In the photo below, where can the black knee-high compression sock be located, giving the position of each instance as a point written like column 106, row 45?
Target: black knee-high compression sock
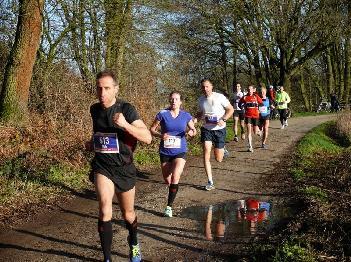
column 133, row 232
column 105, row 233
column 172, row 192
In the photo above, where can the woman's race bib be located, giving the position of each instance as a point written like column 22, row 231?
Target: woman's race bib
column 172, row 142
column 106, row 143
column 263, row 109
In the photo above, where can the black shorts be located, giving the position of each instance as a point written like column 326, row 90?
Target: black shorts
column 267, row 117
column 166, row 158
column 263, row 119
column 253, row 121
column 217, row 137
column 239, row 113
column 124, row 177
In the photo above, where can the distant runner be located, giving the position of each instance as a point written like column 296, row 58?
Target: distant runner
column 238, row 113
column 250, row 102
column 265, row 111
column 282, row 99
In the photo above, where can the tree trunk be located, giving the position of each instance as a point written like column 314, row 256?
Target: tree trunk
column 117, row 22
column 19, row 68
column 347, row 69
column 267, row 67
column 336, row 73
column 304, row 91
column 283, row 77
column 224, row 64
column 235, row 70
column 330, row 75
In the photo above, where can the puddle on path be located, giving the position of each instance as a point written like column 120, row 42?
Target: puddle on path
column 240, row 218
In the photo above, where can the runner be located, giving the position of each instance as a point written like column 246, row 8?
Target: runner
column 250, row 102
column 282, row 99
column 265, row 115
column 173, row 146
column 215, row 109
column 238, row 113
column 117, row 127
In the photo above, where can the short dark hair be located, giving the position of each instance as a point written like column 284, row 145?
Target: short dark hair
column 109, row 73
column 206, row 80
column 176, row 92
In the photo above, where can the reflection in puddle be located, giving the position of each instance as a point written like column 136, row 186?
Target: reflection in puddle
column 230, row 220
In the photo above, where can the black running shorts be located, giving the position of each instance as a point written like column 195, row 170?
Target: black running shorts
column 124, row 177
column 253, row 121
column 239, row 113
column 166, row 158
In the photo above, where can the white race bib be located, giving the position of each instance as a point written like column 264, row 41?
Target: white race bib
column 172, row 142
column 263, row 109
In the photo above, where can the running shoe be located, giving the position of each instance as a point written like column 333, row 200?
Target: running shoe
column 168, row 212
column 243, row 136
column 209, row 186
column 236, row 139
column 264, row 146
column 250, row 149
column 282, row 127
column 226, row 152
column 135, row 254
column 286, row 123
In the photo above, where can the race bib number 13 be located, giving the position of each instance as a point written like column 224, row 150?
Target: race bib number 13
column 106, row 143
column 172, row 142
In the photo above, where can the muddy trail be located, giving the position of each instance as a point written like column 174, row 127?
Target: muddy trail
column 69, row 232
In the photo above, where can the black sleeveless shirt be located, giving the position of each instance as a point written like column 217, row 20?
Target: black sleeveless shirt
column 103, row 122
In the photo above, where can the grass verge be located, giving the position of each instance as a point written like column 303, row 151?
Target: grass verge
column 320, row 192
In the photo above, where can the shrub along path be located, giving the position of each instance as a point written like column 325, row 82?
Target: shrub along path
column 69, row 232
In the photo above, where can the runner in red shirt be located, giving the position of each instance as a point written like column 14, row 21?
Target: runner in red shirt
column 251, row 101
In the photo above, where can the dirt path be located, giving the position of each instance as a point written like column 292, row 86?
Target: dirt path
column 69, row 233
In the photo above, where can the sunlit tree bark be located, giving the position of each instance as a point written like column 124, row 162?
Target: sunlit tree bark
column 19, row 68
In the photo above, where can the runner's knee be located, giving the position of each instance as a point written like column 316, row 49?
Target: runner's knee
column 128, row 215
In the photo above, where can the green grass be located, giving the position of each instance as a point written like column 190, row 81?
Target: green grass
column 66, row 176
column 315, row 192
column 18, row 179
column 146, row 157
column 317, row 141
column 230, row 131
column 293, row 252
column 297, row 173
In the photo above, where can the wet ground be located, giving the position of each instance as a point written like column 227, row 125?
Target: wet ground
column 207, row 225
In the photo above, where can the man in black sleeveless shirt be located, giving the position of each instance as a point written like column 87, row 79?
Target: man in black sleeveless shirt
column 117, row 128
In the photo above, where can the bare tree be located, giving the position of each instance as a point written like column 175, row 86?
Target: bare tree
column 118, row 19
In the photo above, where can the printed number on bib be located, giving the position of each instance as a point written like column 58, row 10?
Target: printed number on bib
column 263, row 109
column 106, row 143
column 211, row 119
column 172, row 142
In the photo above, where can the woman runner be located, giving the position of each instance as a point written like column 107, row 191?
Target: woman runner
column 173, row 146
